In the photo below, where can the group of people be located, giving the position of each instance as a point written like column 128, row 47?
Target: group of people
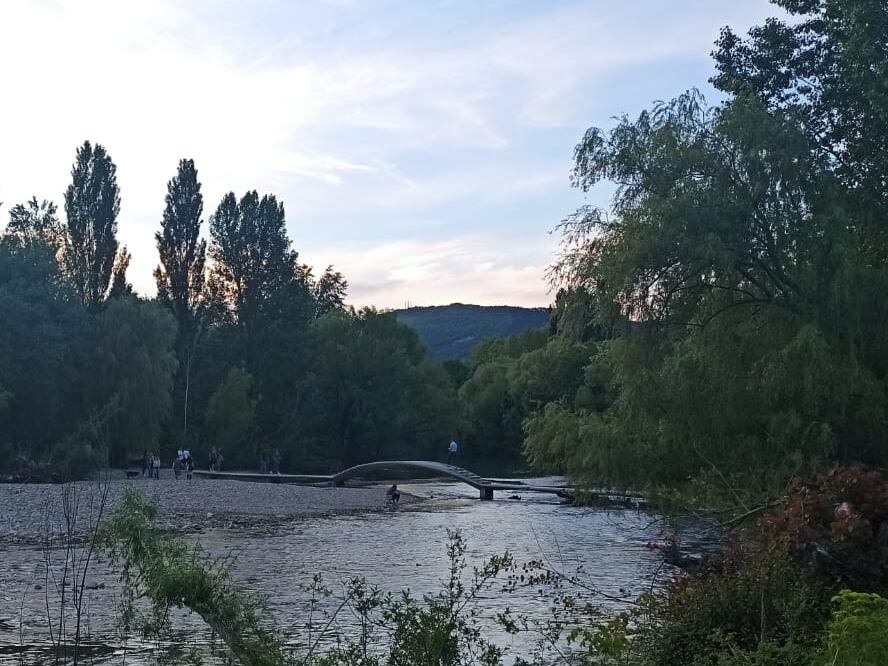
column 151, row 465
column 183, row 463
column 270, row 463
column 215, row 459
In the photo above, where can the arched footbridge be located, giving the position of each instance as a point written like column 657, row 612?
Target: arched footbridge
column 485, row 487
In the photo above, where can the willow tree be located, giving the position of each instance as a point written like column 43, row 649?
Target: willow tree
column 180, row 275
column 740, row 255
column 92, row 203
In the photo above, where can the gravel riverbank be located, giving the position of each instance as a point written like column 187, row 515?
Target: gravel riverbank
column 29, row 511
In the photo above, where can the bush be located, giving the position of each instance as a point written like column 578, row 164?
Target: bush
column 766, row 601
column 837, row 527
column 858, row 633
column 751, row 602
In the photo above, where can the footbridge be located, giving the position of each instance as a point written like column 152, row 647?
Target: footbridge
column 485, row 487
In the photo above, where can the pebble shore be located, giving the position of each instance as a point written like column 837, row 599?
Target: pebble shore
column 28, row 512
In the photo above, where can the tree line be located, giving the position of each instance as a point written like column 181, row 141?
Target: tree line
column 243, row 348
column 721, row 325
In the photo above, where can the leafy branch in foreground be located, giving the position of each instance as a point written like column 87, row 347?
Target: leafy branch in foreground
column 169, row 574
column 440, row 629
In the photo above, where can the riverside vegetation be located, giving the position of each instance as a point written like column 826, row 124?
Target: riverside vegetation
column 718, row 341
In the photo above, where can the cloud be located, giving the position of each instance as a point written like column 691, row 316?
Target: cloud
column 377, row 115
column 495, row 269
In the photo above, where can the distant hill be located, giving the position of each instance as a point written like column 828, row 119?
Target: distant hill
column 453, row 331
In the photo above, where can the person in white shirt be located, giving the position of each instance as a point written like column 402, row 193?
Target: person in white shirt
column 452, row 450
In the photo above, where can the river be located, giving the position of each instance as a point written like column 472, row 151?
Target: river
column 395, row 550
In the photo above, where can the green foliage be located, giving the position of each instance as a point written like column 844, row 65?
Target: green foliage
column 518, row 384
column 283, row 363
column 858, row 633
column 491, row 412
column 44, row 347
column 230, row 417
column 512, row 347
column 441, row 629
column 171, row 575
column 458, row 372
column 135, row 362
column 252, row 259
column 824, row 66
column 766, row 599
column 750, row 603
column 120, row 287
column 328, row 290
column 741, row 248
column 369, row 393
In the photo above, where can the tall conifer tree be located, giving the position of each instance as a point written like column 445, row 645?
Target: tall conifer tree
column 92, row 203
column 180, row 276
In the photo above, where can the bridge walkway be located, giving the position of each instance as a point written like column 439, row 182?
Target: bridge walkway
column 485, row 487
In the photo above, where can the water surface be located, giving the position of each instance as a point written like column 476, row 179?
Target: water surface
column 395, row 550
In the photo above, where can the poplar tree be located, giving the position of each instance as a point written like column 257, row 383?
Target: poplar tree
column 92, row 203
column 180, row 275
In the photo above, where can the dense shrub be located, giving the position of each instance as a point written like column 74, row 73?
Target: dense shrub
column 766, row 599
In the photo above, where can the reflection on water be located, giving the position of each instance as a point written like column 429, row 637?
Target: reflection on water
column 401, row 549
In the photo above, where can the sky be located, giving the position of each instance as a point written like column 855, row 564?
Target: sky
column 422, row 148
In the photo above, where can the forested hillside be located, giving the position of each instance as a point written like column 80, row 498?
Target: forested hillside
column 453, row 331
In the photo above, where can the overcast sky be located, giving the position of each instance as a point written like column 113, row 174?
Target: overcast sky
column 423, row 148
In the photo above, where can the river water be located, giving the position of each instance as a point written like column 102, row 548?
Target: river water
column 395, row 550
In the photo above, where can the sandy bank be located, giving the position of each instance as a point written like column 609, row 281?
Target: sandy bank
column 28, row 511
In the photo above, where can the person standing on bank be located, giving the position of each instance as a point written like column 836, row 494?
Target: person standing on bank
column 452, row 450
